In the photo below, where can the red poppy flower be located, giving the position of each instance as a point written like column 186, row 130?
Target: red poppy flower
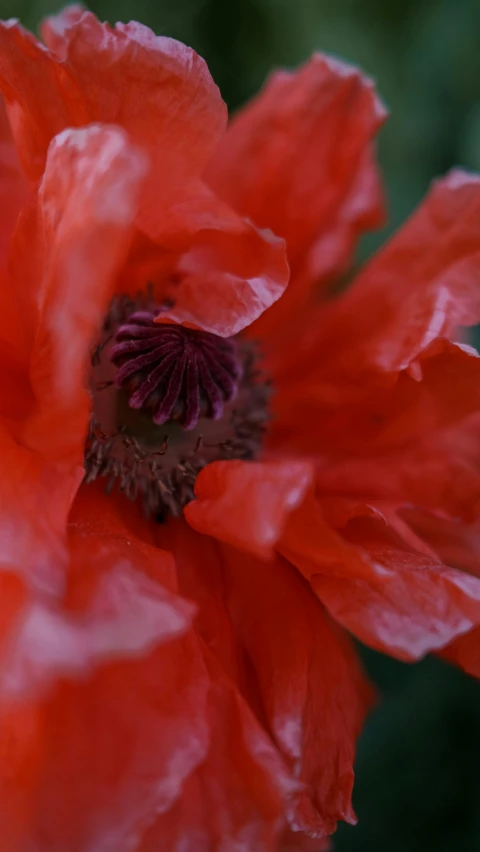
column 189, row 517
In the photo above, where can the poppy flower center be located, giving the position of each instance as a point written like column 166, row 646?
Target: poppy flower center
column 167, row 400
column 178, row 373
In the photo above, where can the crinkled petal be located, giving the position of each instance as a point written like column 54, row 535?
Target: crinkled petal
column 128, row 616
column 408, row 613
column 409, row 605
column 313, row 691
column 115, row 693
column 13, row 195
column 444, row 471
column 182, row 115
column 299, row 161
column 116, row 748
column 328, row 259
column 236, row 797
column 98, row 520
column 56, row 29
column 246, row 504
column 15, row 390
column 362, row 210
column 14, row 594
column 321, row 413
column 39, row 105
column 242, row 806
column 200, row 570
column 439, row 472
column 456, row 542
column 65, row 254
column 20, row 755
column 35, row 499
column 102, row 74
column 270, row 635
column 308, row 540
column 293, row 160
column 13, row 187
column 373, row 369
column 218, row 270
column 86, row 206
column 230, row 274
column 422, row 285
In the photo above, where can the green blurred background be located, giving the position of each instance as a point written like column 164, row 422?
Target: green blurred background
column 418, row 769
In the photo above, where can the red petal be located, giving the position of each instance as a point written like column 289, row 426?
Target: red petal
column 422, row 285
column 20, row 754
column 239, row 793
column 14, row 390
column 13, row 186
column 55, row 30
column 200, row 569
column 313, row 691
column 298, row 160
column 103, row 74
column 304, row 668
column 39, row 104
column 294, row 160
column 377, row 353
column 231, row 272
column 247, row 504
column 447, row 471
column 35, row 498
column 235, row 799
column 16, row 397
column 410, row 604
column 128, row 616
column 19, row 748
column 347, row 415
column 439, row 473
column 12, row 601
column 311, row 544
column 329, row 258
column 457, row 545
column 118, row 700
column 66, row 252
column 100, row 521
column 86, row 206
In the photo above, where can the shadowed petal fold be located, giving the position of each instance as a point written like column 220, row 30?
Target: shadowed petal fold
column 314, row 693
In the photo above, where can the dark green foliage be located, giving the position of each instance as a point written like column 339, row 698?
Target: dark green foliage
column 418, row 779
